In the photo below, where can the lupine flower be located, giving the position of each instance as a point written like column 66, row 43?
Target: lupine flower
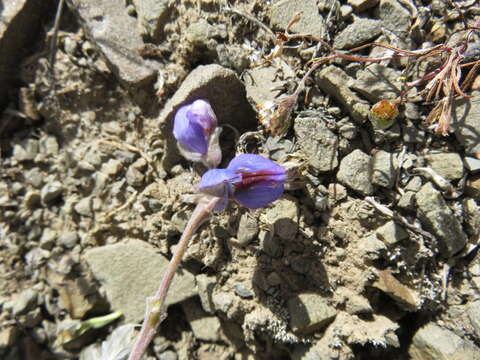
column 197, row 134
column 251, row 180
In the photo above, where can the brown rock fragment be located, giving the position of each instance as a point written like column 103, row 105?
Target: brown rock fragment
column 403, row 295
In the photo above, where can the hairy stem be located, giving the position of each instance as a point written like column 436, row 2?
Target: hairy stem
column 156, row 311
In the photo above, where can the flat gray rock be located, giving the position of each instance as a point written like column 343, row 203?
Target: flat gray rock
column 113, row 31
column 225, row 92
column 394, row 16
column 130, row 272
column 447, row 165
column 355, row 172
column 472, row 164
column 309, row 312
column 434, row 342
column 437, row 217
column 358, row 33
column 335, row 82
column 311, row 22
column 466, row 123
column 317, row 142
column 259, row 83
column 391, row 233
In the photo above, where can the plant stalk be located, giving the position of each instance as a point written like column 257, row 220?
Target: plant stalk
column 156, row 310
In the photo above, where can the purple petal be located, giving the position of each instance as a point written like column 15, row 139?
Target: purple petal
column 260, row 194
column 203, row 114
column 219, row 182
column 252, row 162
column 216, row 181
column 262, row 180
column 188, row 132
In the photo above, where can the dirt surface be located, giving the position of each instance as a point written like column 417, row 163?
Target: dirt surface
column 365, row 256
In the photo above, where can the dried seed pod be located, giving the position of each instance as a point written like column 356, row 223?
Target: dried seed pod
column 383, row 114
column 275, row 116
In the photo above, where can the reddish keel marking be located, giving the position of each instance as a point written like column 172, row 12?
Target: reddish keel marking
column 252, row 177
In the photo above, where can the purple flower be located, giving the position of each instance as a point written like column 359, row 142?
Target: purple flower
column 251, row 180
column 197, row 134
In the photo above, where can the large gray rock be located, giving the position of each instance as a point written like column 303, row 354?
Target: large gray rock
column 309, row 312
column 447, row 165
column 21, row 22
column 317, row 142
column 355, row 172
column 130, row 272
column 466, row 123
column 310, row 21
column 225, row 92
column 113, row 31
column 335, row 82
column 358, row 33
column 432, row 342
column 439, row 219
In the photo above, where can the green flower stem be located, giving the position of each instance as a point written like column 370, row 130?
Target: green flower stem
column 156, row 310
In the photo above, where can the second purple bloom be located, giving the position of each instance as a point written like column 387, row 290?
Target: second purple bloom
column 195, row 128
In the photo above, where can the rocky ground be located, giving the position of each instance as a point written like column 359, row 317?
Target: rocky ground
column 372, row 254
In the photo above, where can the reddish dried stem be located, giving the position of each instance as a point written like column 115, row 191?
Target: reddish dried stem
column 155, row 311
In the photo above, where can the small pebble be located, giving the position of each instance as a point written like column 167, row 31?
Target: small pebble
column 112, row 167
column 48, row 239
column 472, row 164
column 34, row 177
column 270, row 245
column 51, row 191
column 26, row 301
column 84, row 207
column 69, row 239
column 242, row 291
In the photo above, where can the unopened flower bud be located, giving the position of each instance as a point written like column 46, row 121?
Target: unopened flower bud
column 195, row 128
